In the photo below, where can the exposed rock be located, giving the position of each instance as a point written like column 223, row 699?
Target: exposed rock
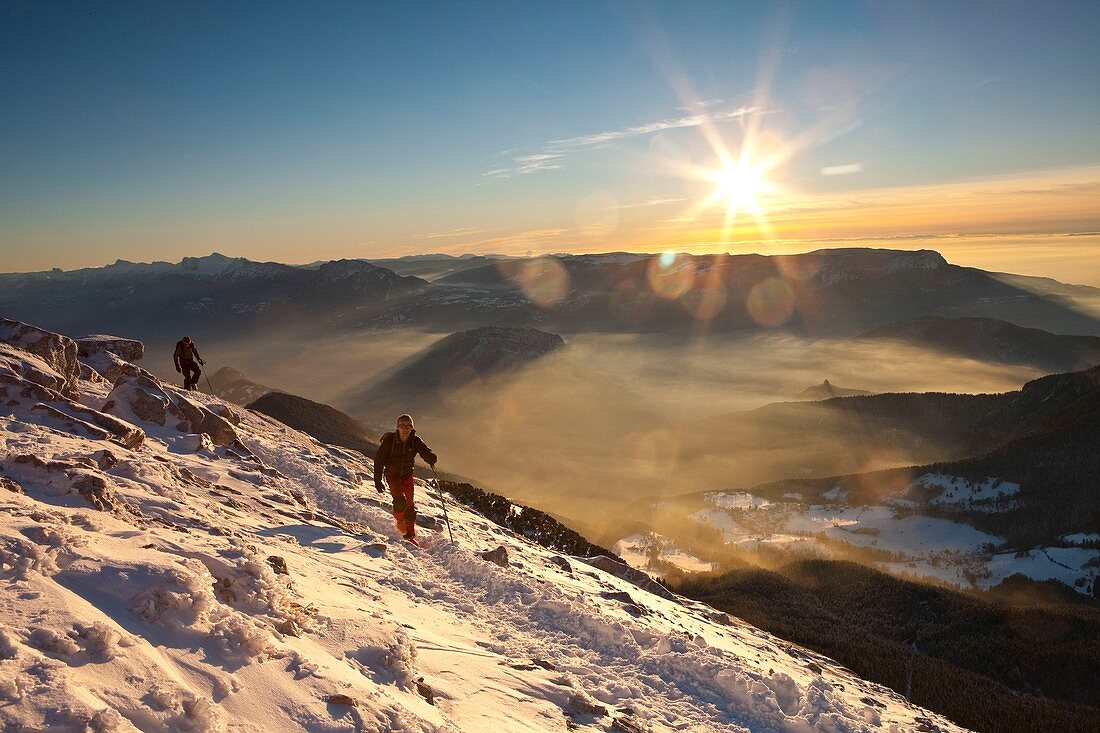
column 342, row 699
column 425, row 690
column 90, row 375
column 580, row 703
column 627, row 725
column 628, row 603
column 93, row 431
column 562, row 563
column 97, row 492
column 498, row 556
column 278, row 564
column 720, row 618
column 227, row 412
column 124, row 433
column 127, row 349
column 147, row 400
column 631, row 575
column 27, row 376
column 111, row 366
column 105, row 426
column 193, row 442
column 93, row 486
column 105, row 459
column 18, row 364
column 56, row 350
column 10, row 485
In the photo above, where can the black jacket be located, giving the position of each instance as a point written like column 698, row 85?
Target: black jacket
column 395, row 458
column 186, row 353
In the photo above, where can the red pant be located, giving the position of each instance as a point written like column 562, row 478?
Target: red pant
column 404, row 511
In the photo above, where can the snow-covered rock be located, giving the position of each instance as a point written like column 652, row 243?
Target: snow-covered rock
column 146, row 400
column 17, row 366
column 127, row 349
column 56, row 350
column 110, row 366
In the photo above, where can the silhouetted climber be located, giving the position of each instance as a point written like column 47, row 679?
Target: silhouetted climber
column 185, row 357
column 396, row 453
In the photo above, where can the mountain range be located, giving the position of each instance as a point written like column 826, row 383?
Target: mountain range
column 827, row 292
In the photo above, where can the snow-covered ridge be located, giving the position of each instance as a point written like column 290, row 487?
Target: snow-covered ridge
column 171, row 562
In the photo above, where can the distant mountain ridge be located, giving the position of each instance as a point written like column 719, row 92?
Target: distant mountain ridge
column 461, row 360
column 233, row 386
column 834, row 291
column 1043, row 437
column 202, row 295
column 827, row 390
column 989, row 339
column 326, row 424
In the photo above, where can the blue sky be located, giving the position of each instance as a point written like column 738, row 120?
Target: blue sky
column 302, row 131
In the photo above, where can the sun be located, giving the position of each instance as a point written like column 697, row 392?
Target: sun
column 740, row 185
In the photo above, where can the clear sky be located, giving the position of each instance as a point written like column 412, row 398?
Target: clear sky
column 304, row 131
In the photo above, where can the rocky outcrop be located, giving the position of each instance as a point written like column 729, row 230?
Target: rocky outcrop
column 80, row 476
column 143, row 399
column 110, row 366
column 58, row 351
column 631, row 575
column 498, row 556
column 17, row 366
column 111, row 356
column 127, row 349
column 26, row 378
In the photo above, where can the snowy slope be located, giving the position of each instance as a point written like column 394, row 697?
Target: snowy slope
column 163, row 608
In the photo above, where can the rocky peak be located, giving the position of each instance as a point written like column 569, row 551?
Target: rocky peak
column 837, row 265
column 496, row 347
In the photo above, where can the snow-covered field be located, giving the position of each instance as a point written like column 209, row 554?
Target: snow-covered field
column 638, row 549
column 172, row 563
column 932, row 547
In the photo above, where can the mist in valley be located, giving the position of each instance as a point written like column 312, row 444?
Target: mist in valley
column 594, row 433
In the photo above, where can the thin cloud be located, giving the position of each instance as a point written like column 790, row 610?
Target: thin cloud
column 550, row 157
column 462, row 232
column 571, row 144
column 653, row 202
column 842, row 170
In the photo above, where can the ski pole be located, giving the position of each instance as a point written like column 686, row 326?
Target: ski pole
column 208, row 382
column 442, row 503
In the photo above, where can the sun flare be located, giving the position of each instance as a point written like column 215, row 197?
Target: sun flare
column 740, row 185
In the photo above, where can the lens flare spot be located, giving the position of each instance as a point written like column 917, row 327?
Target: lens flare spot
column 771, row 302
column 800, row 267
column 667, row 258
column 544, row 281
column 672, row 280
column 706, row 300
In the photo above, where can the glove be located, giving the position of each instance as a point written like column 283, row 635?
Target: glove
column 178, row 369
column 378, row 485
column 202, row 363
